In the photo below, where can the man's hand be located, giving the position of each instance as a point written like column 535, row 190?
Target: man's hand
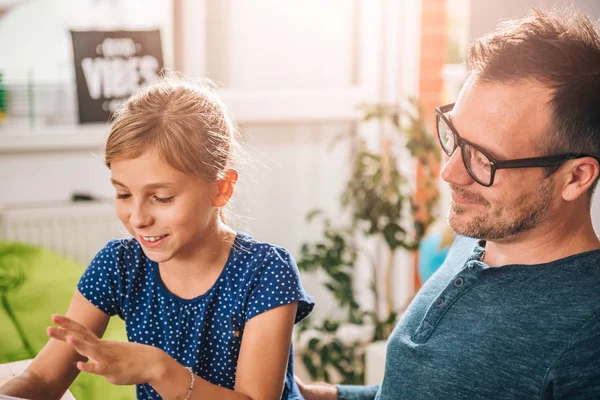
column 317, row 391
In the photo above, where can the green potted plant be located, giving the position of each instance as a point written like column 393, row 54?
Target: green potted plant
column 12, row 277
column 381, row 204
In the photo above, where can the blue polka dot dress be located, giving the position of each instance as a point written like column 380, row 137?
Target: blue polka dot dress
column 206, row 332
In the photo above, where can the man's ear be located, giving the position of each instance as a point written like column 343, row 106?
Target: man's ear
column 580, row 175
column 225, row 188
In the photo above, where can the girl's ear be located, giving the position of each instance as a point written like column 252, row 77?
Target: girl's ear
column 225, row 188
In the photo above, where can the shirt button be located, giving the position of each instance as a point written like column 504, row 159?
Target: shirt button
column 440, row 302
column 458, row 282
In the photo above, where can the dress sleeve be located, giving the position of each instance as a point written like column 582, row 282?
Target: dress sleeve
column 276, row 282
column 101, row 283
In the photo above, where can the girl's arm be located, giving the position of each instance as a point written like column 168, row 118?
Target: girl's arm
column 265, row 352
column 53, row 369
column 261, row 367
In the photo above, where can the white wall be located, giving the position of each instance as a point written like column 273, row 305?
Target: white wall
column 35, row 39
column 275, row 45
column 34, row 34
column 52, row 177
column 289, row 169
column 485, row 14
column 258, row 46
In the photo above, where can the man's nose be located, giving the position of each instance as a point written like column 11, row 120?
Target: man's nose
column 454, row 170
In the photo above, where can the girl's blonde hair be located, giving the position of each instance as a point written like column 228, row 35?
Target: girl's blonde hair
column 185, row 123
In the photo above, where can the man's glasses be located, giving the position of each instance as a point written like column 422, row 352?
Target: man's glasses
column 480, row 165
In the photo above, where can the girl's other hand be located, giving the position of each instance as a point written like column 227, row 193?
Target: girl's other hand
column 121, row 363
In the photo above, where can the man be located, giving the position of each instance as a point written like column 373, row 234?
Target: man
column 514, row 311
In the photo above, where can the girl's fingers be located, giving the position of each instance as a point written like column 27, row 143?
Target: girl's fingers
column 62, row 334
column 92, row 368
column 84, row 347
column 69, row 324
column 57, row 333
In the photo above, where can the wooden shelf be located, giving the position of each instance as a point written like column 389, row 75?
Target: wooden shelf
column 247, row 108
column 19, row 139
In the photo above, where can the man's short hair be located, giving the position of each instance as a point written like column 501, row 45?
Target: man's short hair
column 561, row 50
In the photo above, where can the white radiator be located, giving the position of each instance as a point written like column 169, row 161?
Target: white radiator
column 75, row 230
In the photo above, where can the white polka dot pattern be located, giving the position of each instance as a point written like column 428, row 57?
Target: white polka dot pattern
column 204, row 333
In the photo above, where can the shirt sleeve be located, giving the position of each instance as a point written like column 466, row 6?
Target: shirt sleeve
column 101, row 283
column 350, row 392
column 276, row 282
column 576, row 374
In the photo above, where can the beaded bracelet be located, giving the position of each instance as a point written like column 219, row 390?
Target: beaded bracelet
column 192, row 381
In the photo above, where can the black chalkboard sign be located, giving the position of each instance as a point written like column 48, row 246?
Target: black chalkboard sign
column 110, row 66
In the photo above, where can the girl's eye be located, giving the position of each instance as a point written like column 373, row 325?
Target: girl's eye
column 163, row 199
column 123, row 196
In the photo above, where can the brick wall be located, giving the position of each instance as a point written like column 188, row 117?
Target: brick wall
column 433, row 57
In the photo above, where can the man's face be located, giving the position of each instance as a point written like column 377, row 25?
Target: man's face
column 509, row 121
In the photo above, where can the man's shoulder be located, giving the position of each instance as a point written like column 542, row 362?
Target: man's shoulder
column 462, row 248
column 580, row 266
column 465, row 242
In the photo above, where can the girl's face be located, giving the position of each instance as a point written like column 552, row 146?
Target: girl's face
column 167, row 211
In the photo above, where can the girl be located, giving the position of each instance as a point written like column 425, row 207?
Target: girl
column 209, row 311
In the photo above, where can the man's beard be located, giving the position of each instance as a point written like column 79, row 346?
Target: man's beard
column 525, row 213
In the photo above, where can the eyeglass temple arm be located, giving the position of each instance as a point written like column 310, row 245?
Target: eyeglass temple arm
column 546, row 161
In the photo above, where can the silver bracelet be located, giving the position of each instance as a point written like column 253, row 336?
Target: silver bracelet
column 192, row 381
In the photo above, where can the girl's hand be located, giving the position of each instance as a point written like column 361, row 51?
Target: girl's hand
column 121, row 363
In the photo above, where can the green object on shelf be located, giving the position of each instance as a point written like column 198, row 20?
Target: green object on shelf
column 2, row 98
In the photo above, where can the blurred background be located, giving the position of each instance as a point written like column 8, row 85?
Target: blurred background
column 334, row 100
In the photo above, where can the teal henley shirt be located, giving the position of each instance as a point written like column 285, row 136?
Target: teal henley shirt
column 510, row 332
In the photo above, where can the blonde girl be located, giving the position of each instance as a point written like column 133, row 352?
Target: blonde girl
column 209, row 311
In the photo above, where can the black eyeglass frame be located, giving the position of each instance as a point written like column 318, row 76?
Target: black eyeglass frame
column 532, row 162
